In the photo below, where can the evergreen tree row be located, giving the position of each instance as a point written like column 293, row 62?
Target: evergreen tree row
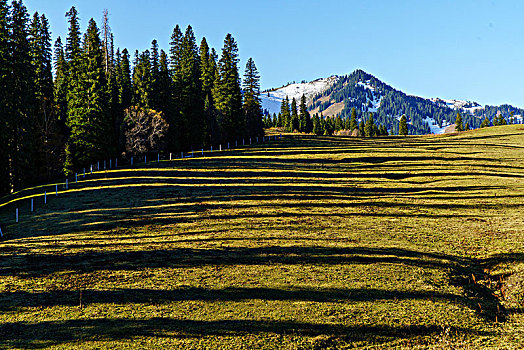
column 99, row 99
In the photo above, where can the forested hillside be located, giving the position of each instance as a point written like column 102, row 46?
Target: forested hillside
column 104, row 102
column 337, row 96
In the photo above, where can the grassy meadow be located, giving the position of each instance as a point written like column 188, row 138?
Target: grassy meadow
column 304, row 243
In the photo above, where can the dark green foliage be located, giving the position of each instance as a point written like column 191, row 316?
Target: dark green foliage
column 226, row 92
column 403, row 126
column 88, row 115
column 293, row 123
column 252, row 105
column 353, row 124
column 124, row 80
column 189, row 117
column 370, row 127
column 466, row 127
column 317, row 127
column 485, row 123
column 285, row 114
column 47, row 136
column 21, row 103
column 305, row 123
column 458, row 123
column 142, row 81
column 362, row 128
column 60, row 87
column 5, row 120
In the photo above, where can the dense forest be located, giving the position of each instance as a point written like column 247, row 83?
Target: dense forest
column 66, row 106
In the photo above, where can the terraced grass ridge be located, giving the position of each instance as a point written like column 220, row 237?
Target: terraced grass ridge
column 305, row 243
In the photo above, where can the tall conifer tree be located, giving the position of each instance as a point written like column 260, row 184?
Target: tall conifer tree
column 5, row 122
column 21, row 102
column 227, row 93
column 252, row 105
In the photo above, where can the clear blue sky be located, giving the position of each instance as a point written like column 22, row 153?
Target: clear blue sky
column 470, row 49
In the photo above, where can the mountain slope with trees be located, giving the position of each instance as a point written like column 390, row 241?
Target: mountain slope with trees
column 366, row 94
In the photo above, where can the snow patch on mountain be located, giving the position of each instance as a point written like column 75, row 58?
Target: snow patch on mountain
column 466, row 106
column 373, row 104
column 272, row 100
column 434, row 127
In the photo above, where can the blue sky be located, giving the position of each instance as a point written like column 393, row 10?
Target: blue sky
column 471, row 50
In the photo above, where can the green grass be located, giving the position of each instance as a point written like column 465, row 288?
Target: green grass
column 308, row 243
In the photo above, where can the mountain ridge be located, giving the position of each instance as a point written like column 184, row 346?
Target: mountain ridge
column 337, row 95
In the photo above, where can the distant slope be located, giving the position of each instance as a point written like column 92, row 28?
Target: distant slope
column 337, row 95
column 272, row 99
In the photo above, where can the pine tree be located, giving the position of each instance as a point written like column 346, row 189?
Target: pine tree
column 466, row 127
column 485, row 123
column 190, row 114
column 304, row 116
column 294, row 122
column 252, row 105
column 208, row 69
column 226, row 92
column 60, row 87
column 458, row 123
column 142, row 81
column 124, row 80
column 370, row 126
column 5, row 121
column 362, row 128
column 155, row 73
column 47, row 137
column 285, row 114
column 88, row 115
column 403, row 126
column 317, row 127
column 21, row 101
column 353, row 122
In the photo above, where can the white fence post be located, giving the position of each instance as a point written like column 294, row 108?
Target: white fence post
column 170, row 156
column 98, row 166
column 181, row 154
column 1, row 234
column 243, row 142
column 67, row 184
column 131, row 160
column 56, row 190
column 220, row 147
column 76, row 177
column 16, row 214
column 158, row 157
column 202, row 152
column 104, row 165
column 45, row 197
column 228, row 145
column 110, row 163
column 116, row 162
column 32, row 208
column 84, row 172
column 145, row 159
column 91, row 169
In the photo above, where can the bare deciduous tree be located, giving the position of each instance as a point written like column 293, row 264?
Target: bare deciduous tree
column 144, row 130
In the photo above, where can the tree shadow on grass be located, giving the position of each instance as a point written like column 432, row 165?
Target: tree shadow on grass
column 49, row 333
column 465, row 273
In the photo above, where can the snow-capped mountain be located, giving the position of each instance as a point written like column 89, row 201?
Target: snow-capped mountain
column 338, row 95
column 272, row 99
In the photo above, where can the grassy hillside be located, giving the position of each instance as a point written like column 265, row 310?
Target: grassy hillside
column 309, row 243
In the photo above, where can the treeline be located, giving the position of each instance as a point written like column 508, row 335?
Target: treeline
column 291, row 119
column 102, row 103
